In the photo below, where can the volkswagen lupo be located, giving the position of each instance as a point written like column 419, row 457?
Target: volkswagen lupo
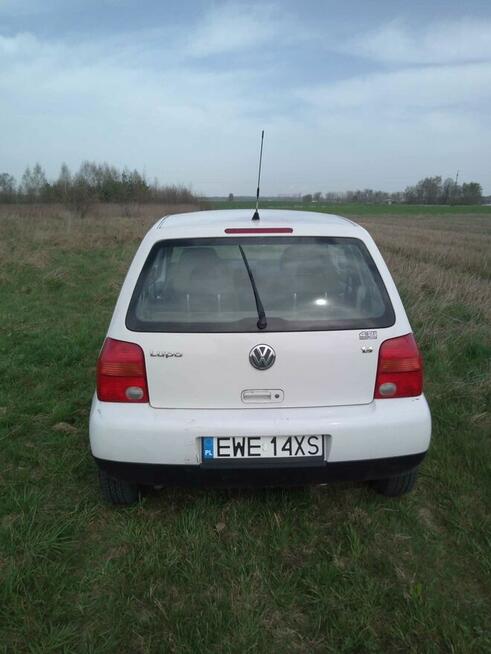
column 270, row 352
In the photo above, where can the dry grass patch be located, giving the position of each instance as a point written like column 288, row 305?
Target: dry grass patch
column 34, row 232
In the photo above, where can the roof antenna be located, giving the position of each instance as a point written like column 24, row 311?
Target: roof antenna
column 256, row 213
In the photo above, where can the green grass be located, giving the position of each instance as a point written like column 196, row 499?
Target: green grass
column 358, row 209
column 327, row 569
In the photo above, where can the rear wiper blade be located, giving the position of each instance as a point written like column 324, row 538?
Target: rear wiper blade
column 262, row 322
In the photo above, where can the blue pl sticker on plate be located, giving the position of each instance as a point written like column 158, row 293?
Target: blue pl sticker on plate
column 207, row 448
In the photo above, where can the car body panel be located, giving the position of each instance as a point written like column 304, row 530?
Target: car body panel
column 142, row 434
column 311, row 368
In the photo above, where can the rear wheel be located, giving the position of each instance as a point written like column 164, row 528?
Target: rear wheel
column 118, row 491
column 396, row 486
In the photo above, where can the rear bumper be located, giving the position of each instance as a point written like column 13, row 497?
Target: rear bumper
column 361, row 442
column 246, row 475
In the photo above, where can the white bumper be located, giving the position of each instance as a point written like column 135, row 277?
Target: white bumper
column 138, row 433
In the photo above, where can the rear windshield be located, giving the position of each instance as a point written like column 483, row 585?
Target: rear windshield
column 304, row 284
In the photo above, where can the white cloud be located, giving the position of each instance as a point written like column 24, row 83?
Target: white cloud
column 397, row 127
column 236, row 27
column 158, row 100
column 407, row 90
column 69, row 102
column 22, row 44
column 458, row 41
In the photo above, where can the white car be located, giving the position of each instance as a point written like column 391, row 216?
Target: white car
column 270, row 352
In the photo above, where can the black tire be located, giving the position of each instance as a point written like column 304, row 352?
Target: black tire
column 117, row 491
column 396, row 486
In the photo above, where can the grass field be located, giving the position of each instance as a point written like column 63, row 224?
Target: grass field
column 333, row 569
column 361, row 210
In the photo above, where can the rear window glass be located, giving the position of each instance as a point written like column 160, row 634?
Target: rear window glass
column 202, row 285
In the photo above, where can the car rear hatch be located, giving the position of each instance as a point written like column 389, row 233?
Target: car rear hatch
column 195, row 315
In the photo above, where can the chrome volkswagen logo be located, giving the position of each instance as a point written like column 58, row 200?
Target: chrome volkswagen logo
column 262, row 357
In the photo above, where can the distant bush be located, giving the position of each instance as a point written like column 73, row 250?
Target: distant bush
column 90, row 184
column 430, row 190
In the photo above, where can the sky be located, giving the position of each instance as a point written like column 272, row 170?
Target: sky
column 353, row 94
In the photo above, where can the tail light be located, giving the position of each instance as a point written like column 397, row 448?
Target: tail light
column 121, row 375
column 400, row 369
column 259, row 230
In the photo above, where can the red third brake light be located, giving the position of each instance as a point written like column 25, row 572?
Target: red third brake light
column 400, row 369
column 121, row 375
column 259, row 230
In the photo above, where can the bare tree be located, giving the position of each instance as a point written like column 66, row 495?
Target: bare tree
column 7, row 187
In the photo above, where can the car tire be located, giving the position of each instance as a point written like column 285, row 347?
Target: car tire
column 117, row 491
column 396, row 486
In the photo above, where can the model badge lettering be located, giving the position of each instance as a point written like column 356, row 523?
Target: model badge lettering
column 165, row 355
column 366, row 335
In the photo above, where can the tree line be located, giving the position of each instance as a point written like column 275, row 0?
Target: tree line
column 105, row 183
column 91, row 183
column 430, row 190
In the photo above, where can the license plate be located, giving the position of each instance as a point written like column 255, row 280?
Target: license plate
column 263, row 447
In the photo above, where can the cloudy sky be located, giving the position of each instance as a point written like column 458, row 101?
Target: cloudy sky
column 352, row 94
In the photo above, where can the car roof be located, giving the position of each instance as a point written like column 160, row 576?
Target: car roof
column 213, row 223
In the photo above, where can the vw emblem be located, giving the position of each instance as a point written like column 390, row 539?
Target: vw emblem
column 262, row 357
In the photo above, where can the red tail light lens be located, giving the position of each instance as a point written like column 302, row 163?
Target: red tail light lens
column 400, row 369
column 121, row 375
